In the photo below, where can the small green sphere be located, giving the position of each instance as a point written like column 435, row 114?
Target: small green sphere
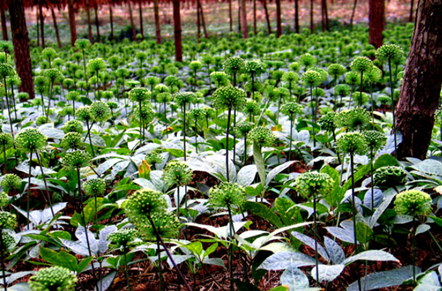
column 73, row 126
column 53, row 279
column 6, row 141
column 311, row 78
column 413, row 202
column 177, row 173
column 77, row 159
column 229, row 97
column 389, row 52
column 4, row 199
column 314, row 184
column 375, row 139
column 30, row 140
column 234, row 65
column 144, row 203
column 10, row 182
column 262, row 136
column 390, row 176
column 7, row 220
column 139, row 94
column 227, row 194
column 122, row 237
column 361, row 64
column 352, row 143
column 94, row 187
column 100, row 111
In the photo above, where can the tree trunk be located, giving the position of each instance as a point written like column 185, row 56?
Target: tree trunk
column 111, row 16
column 42, row 25
column 3, row 20
column 89, row 25
column 72, row 23
column 198, row 23
column 97, row 22
column 38, row 25
column 376, row 21
column 420, row 92
column 266, row 10
column 297, row 16
column 132, row 24
column 410, row 18
column 255, row 30
column 157, row 20
column 177, row 31
column 312, row 26
column 20, row 39
column 325, row 11
column 353, row 12
column 203, row 20
column 140, row 12
column 278, row 18
column 57, row 33
column 245, row 32
column 230, row 15
column 239, row 16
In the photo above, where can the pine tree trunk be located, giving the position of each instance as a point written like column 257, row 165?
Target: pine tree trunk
column 3, row 20
column 132, row 24
column 266, row 10
column 410, row 18
column 177, row 31
column 255, row 30
column 198, row 23
column 355, row 4
column 420, row 92
column 245, row 32
column 230, row 15
column 297, row 16
column 157, row 20
column 140, row 12
column 312, row 25
column 203, row 20
column 37, row 14
column 376, row 17
column 89, row 25
column 20, row 39
column 42, row 25
column 325, row 9
column 278, row 18
column 239, row 16
column 111, row 19
column 72, row 23
column 57, row 33
column 97, row 22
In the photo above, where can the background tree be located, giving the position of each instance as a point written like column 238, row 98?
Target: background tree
column 245, row 32
column 421, row 86
column 72, row 23
column 376, row 15
column 3, row 19
column 177, row 31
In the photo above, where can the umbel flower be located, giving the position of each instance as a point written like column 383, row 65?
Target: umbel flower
column 30, row 140
column 10, row 182
column 291, row 109
column 94, row 187
column 99, row 111
column 7, row 220
column 229, row 97
column 353, row 119
column 53, row 279
column 154, row 158
column 82, row 44
column 8, row 241
column 327, row 121
column 390, row 176
column 183, row 98
column 72, row 140
column 351, row 143
column 167, row 225
column 227, row 194
column 390, row 52
column 361, row 64
column 73, row 126
column 234, row 65
column 314, row 184
column 262, row 136
column 374, row 139
column 122, row 237
column 144, row 203
column 177, row 173
column 413, row 202
column 83, row 113
column 4, row 199
column 311, row 78
column 139, row 94
column 6, row 141
column 243, row 128
column 77, row 159
column 144, row 114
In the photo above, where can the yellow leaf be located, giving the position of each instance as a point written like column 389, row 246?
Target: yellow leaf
column 277, row 128
column 144, row 170
column 438, row 189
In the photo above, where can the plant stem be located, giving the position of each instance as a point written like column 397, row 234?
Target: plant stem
column 2, row 259
column 372, row 180
column 413, row 262
column 90, row 139
column 126, row 267
column 316, row 239
column 354, row 211
column 29, row 190
column 46, row 184
column 160, row 273
column 7, row 103
column 227, row 144
column 49, row 101
column 290, row 138
column 232, row 234
column 393, row 109
column 184, row 131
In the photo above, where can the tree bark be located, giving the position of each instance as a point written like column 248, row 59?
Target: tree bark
column 266, row 10
column 376, row 15
column 198, row 23
column 157, row 21
column 230, row 15
column 3, row 20
column 89, row 25
column 255, row 30
column 72, row 23
column 410, row 18
column 353, row 12
column 57, row 33
column 239, row 16
column 111, row 16
column 140, row 12
column 278, row 18
column 20, row 39
column 37, row 14
column 325, row 11
column 97, row 22
column 312, row 26
column 177, row 31
column 42, row 25
column 297, row 16
column 245, row 32
column 132, row 24
column 420, row 92
column 203, row 20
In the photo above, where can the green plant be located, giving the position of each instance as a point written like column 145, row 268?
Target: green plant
column 53, row 279
column 182, row 99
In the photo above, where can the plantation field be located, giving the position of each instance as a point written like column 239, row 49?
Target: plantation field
column 259, row 164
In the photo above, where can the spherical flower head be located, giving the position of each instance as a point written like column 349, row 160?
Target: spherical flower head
column 96, row 65
column 154, row 158
column 353, row 119
column 352, row 143
column 234, row 65
column 100, row 111
column 10, row 182
column 53, row 279
column 314, row 184
column 196, row 113
column 227, row 194
column 360, row 98
column 73, row 126
column 373, row 76
column 8, row 242
column 318, row 92
column 254, row 68
column 262, row 136
column 219, row 77
column 42, row 120
column 374, row 139
column 183, row 98
column 177, row 173
column 30, row 140
column 336, row 70
column 290, row 77
column 361, row 64
column 307, row 60
column 6, row 70
column 83, row 113
column 146, row 114
column 6, row 141
column 291, row 109
column 122, row 237
column 72, row 95
column 112, row 105
column 94, row 187
column 384, row 99
column 390, row 176
column 243, row 128
column 413, row 202
column 390, row 52
column 7, row 220
column 327, row 121
column 139, row 94
column 52, row 74
column 195, row 65
column 352, row 78
column 82, row 44
column 251, row 107
column 166, row 223
column 342, row 90
column 4, row 199
column 144, row 203
column 209, row 112
column 229, row 97
column 77, row 159
column 311, row 78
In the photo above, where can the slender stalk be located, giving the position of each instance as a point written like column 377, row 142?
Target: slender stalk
column 126, row 267
column 372, row 179
column 142, row 139
column 160, row 272
column 7, row 103
column 49, row 101
column 232, row 233
column 227, row 144
column 393, row 109
column 234, row 135
column 2, row 259
column 316, row 239
column 90, row 139
column 290, row 138
column 414, row 248
column 184, row 131
column 13, row 101
column 354, row 211
column 4, row 158
column 245, row 149
column 29, row 191
column 46, row 184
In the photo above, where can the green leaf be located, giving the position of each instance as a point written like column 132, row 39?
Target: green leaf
column 336, row 196
column 245, row 286
column 259, row 161
column 372, row 255
column 210, row 249
column 263, row 212
column 176, row 153
column 363, row 232
column 61, row 259
column 195, row 247
column 83, row 264
column 287, row 213
column 89, row 209
column 60, row 234
column 280, row 288
column 436, row 220
column 254, row 191
column 328, row 272
column 385, row 160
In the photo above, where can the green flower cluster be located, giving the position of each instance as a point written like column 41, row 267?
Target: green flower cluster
column 84, row 113
column 352, row 143
column 291, row 109
column 122, row 237
column 229, row 97
column 183, row 98
column 251, row 107
column 234, row 65
column 374, row 139
column 243, row 128
column 413, row 202
column 227, row 194
column 6, row 70
column 146, row 114
column 52, row 74
column 177, row 173
column 7, row 220
column 353, row 119
column 94, row 187
column 30, row 140
column 390, row 52
column 144, row 203
column 6, row 140
column 254, row 68
column 53, row 279
column 99, row 111
column 327, row 121
column 77, row 159
column 10, row 182
column 311, row 78
column 82, row 44
column 262, row 136
column 314, row 184
column 73, row 126
column 72, row 140
column 361, row 64
column 220, row 78
column 154, row 158
column 390, row 176
column 96, row 65
column 4, row 199
column 336, row 70
column 139, row 94
column 342, row 90
column 8, row 242
column 167, row 225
